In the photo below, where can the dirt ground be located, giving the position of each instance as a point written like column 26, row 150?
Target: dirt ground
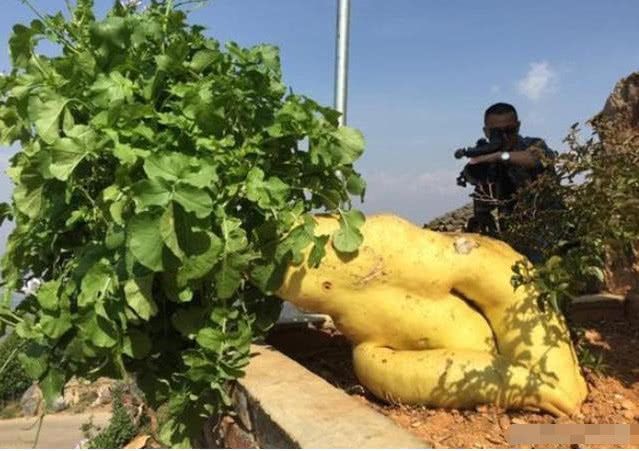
column 613, row 398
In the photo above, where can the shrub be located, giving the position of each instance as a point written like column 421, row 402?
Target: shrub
column 13, row 379
column 598, row 184
column 120, row 429
column 163, row 184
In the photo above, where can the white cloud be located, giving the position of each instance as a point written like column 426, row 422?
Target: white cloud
column 540, row 80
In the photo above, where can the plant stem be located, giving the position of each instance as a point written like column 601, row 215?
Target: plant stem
column 6, row 363
column 69, row 7
column 12, row 315
column 60, row 36
column 120, row 365
column 37, row 437
column 7, row 322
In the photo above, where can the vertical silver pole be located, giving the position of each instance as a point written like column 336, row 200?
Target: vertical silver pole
column 341, row 58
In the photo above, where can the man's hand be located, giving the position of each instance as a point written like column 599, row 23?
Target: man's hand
column 527, row 158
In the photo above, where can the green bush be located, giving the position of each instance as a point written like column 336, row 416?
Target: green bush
column 13, row 379
column 163, row 184
column 598, row 184
column 120, row 429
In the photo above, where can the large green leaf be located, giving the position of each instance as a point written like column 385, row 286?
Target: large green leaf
column 209, row 338
column 128, row 154
column 199, row 265
column 47, row 295
column 111, row 90
column 166, row 166
column 28, row 199
column 230, row 273
column 22, row 42
column 169, row 234
column 348, row 237
column 318, row 251
column 101, row 332
column 97, row 282
column 52, row 385
column 34, row 359
column 269, row 193
column 144, row 240
column 233, row 235
column 149, row 193
column 194, row 200
column 351, row 144
column 203, row 59
column 139, row 296
column 55, row 326
column 67, row 153
column 356, row 185
column 175, row 167
column 46, row 116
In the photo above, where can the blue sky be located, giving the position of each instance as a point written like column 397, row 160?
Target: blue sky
column 422, row 73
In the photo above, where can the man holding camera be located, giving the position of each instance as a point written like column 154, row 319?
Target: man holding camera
column 499, row 167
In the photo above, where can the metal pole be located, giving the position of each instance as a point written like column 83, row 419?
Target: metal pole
column 341, row 58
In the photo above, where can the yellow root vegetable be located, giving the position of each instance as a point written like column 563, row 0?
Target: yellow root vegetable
column 434, row 320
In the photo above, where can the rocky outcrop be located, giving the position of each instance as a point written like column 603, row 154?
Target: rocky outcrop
column 617, row 125
column 621, row 110
column 453, row 221
column 31, row 401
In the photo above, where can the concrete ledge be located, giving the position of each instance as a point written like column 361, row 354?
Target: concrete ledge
column 595, row 307
column 280, row 404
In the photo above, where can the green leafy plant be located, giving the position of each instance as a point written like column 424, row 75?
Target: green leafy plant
column 13, row 379
column 588, row 358
column 597, row 183
column 120, row 429
column 162, row 186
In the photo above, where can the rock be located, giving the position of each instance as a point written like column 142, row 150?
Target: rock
column 629, row 414
column 71, row 395
column 415, row 424
column 504, row 422
column 104, row 395
column 622, row 106
column 518, row 421
column 78, row 390
column 236, row 437
column 626, row 404
column 482, row 408
column 241, row 407
column 58, row 405
column 31, row 400
column 453, row 221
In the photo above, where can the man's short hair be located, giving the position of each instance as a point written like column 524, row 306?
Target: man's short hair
column 500, row 108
